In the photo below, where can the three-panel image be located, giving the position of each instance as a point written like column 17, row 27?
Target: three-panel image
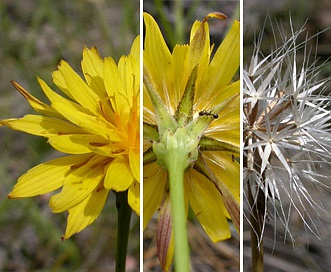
column 165, row 136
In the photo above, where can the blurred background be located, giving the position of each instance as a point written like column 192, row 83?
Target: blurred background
column 267, row 15
column 175, row 19
column 35, row 36
column 308, row 253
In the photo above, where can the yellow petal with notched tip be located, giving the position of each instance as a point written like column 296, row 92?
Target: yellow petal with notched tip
column 45, row 177
column 85, row 213
column 158, row 56
column 92, row 66
column 113, row 83
column 78, row 89
column 54, row 97
column 129, row 78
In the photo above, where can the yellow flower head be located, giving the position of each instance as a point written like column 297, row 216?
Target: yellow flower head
column 211, row 182
column 97, row 122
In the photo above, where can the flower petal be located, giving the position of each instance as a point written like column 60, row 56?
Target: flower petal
column 135, row 50
column 37, row 105
column 179, row 55
column 154, row 185
column 226, row 60
column 89, row 123
column 92, row 66
column 76, row 143
column 134, row 197
column 157, row 56
column 114, row 85
column 77, row 88
column 55, row 97
column 85, row 213
column 129, row 73
column 134, row 158
column 78, row 185
column 208, row 207
column 226, row 127
column 42, row 125
column 119, row 176
column 225, row 170
column 199, row 51
column 45, row 177
column 226, row 92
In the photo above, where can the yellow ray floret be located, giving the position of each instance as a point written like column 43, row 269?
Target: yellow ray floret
column 96, row 122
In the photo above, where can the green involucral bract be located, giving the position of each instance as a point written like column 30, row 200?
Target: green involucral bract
column 180, row 145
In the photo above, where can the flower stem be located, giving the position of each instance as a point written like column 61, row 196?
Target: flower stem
column 256, row 235
column 124, row 216
column 176, row 181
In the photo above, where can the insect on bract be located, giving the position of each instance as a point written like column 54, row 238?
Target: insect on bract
column 206, row 113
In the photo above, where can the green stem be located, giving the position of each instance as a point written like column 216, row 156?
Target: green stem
column 176, row 180
column 124, row 216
